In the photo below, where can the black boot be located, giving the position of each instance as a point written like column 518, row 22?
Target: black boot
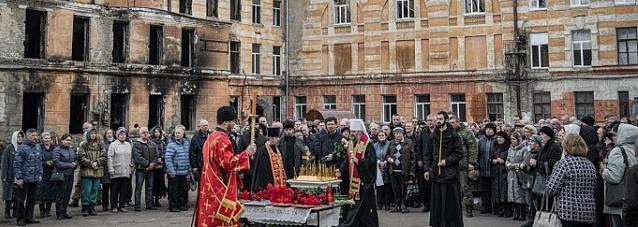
column 515, row 211
column 468, row 211
column 523, row 212
column 41, row 207
column 157, row 203
column 507, row 209
column 92, row 210
column 47, row 209
column 85, row 211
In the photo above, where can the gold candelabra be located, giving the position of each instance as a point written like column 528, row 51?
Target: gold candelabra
column 316, row 172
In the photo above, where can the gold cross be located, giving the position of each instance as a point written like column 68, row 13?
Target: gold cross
column 207, row 205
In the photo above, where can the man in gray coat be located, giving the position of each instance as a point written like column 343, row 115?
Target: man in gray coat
column 145, row 155
column 28, row 172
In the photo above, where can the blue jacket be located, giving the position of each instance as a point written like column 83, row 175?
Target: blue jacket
column 62, row 158
column 28, row 162
column 177, row 158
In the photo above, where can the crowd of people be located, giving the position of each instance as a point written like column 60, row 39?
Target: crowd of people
column 438, row 164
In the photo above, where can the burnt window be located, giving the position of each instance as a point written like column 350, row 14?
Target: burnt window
column 155, row 110
column 188, row 108
column 188, row 47
column 211, row 8
column 33, row 111
column 185, row 6
column 80, row 46
column 235, row 57
column 235, row 9
column 119, row 110
column 79, row 110
column 156, row 45
column 120, row 41
column 276, row 108
column 34, row 27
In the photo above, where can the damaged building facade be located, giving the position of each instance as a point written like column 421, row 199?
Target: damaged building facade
column 145, row 62
column 168, row 62
column 414, row 57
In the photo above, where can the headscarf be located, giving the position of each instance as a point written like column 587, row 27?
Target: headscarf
column 14, row 139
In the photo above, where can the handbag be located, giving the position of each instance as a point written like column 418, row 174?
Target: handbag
column 525, row 180
column 539, row 184
column 544, row 217
column 615, row 193
column 56, row 176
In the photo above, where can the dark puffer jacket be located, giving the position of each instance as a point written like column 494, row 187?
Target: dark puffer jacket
column 28, row 162
column 452, row 153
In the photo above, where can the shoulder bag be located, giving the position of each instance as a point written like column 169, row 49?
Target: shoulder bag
column 615, row 193
column 544, row 217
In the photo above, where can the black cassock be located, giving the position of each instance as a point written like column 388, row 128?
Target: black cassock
column 263, row 169
column 364, row 212
column 445, row 197
column 242, row 144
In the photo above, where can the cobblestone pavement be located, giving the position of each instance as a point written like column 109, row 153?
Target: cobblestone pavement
column 161, row 217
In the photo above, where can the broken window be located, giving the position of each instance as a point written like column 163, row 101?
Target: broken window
column 156, row 44
column 235, row 9
column 188, row 109
column 80, row 46
column 235, row 57
column 120, row 41
column 34, row 27
column 155, row 110
column 256, row 11
column 188, row 47
column 256, row 59
column 276, row 61
column 119, row 110
column 211, row 8
column 276, row 108
column 79, row 111
column 185, row 6
column 33, row 111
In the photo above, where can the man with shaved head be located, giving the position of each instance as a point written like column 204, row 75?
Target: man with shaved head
column 197, row 142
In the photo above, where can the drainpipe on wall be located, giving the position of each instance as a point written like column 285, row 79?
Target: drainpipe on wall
column 517, row 69
column 287, row 64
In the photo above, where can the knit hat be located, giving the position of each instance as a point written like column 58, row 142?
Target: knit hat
column 548, row 131
column 120, row 130
column 537, row 139
column 588, row 120
column 289, row 124
column 87, row 134
column 226, row 113
column 491, row 125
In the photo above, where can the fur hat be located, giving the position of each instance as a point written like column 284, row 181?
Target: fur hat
column 289, row 124
column 491, row 125
column 588, row 120
column 226, row 113
column 548, row 131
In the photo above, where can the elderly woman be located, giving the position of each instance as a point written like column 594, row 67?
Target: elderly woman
column 92, row 157
column 534, row 144
column 8, row 174
column 499, row 175
column 384, row 190
column 619, row 159
column 65, row 163
column 516, row 194
column 105, row 180
column 120, row 166
column 573, row 181
column 46, row 188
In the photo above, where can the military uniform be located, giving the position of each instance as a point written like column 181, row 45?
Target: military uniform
column 470, row 154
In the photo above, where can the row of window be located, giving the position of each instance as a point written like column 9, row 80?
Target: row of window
column 583, row 102
column 186, row 7
column 405, row 8
column 627, row 48
column 235, row 59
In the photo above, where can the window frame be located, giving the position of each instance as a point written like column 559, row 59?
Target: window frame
column 535, row 5
column 578, row 103
column 580, row 3
column 342, row 9
column 329, row 102
column 581, row 44
column 276, row 60
column 256, row 11
column 235, row 57
column 539, row 40
column 625, row 2
column 539, row 102
column 235, row 10
column 392, row 108
column 624, row 105
column 626, row 41
column 276, row 12
column 499, row 113
column 422, row 106
column 472, row 10
column 256, row 59
column 403, row 12
column 455, row 106
column 43, row 31
column 301, row 107
column 359, row 106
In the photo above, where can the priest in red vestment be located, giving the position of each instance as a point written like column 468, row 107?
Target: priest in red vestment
column 217, row 203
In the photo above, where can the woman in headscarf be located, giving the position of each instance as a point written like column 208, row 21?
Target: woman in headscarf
column 8, row 175
column 65, row 162
column 159, row 180
column 120, row 165
column 46, row 189
column 92, row 157
column 499, row 175
column 109, row 137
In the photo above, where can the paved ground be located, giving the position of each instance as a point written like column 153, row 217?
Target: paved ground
column 162, row 217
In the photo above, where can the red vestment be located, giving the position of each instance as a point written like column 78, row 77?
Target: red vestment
column 217, row 203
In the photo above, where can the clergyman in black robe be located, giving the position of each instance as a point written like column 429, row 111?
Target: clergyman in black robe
column 264, row 173
column 364, row 212
column 441, row 160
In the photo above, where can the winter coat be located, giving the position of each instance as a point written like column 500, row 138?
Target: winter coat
column 590, row 136
column 8, row 158
column 630, row 205
column 616, row 166
column 120, row 161
column 574, row 181
column 470, row 149
column 47, row 155
column 195, row 149
column 28, row 162
column 325, row 145
column 550, row 154
column 485, row 149
column 381, row 149
column 63, row 156
column 451, row 148
column 177, row 162
column 515, row 156
column 106, row 178
column 499, row 173
column 291, row 159
column 145, row 153
column 90, row 152
column 424, row 142
column 402, row 153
